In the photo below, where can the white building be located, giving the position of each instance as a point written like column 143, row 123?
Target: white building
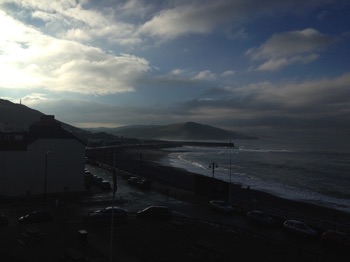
column 46, row 152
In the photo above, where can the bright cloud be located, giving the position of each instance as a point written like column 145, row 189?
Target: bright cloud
column 289, row 48
column 185, row 74
column 202, row 17
column 205, row 75
column 45, row 62
column 178, row 21
column 72, row 20
column 228, row 73
column 279, row 63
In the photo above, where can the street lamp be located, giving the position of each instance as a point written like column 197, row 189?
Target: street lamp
column 45, row 179
column 113, row 201
column 140, row 163
column 213, row 165
column 230, row 190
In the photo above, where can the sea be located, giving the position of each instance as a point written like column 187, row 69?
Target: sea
column 307, row 170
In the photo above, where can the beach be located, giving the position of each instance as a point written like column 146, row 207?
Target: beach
column 179, row 179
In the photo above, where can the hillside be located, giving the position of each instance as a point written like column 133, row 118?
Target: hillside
column 181, row 131
column 15, row 117
column 18, row 116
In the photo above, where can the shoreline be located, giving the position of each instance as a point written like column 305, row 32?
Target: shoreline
column 296, row 194
column 150, row 167
column 339, row 201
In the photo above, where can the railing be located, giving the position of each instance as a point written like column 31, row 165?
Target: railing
column 311, row 221
column 303, row 254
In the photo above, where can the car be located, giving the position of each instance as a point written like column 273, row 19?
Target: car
column 140, row 182
column 97, row 180
column 133, row 180
column 144, row 183
column 155, row 212
column 105, row 214
column 221, row 206
column 105, row 185
column 260, row 217
column 37, row 216
column 335, row 239
column 299, row 228
column 3, row 220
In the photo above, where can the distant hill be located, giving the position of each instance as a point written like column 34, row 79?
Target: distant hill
column 188, row 131
column 20, row 116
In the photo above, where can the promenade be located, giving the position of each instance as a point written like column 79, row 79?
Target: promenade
column 180, row 239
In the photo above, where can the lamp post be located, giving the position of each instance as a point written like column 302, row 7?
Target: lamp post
column 45, row 178
column 140, row 163
column 113, row 201
column 213, row 165
column 230, row 196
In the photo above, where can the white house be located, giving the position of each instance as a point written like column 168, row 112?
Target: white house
column 45, row 158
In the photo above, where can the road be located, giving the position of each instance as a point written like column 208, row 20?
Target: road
column 139, row 199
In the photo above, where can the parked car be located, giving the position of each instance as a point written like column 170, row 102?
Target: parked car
column 335, row 239
column 133, row 180
column 105, row 185
column 260, row 217
column 221, row 206
column 140, row 182
column 38, row 216
column 97, row 179
column 299, row 228
column 105, row 214
column 144, row 183
column 3, row 220
column 155, row 212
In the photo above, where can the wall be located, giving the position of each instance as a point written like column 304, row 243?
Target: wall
column 23, row 172
column 211, row 187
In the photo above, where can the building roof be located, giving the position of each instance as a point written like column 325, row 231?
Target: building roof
column 46, row 128
column 13, row 140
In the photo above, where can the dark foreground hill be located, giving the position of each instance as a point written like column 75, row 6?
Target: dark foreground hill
column 15, row 117
column 181, row 131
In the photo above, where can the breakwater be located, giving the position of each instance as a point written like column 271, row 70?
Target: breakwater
column 207, row 144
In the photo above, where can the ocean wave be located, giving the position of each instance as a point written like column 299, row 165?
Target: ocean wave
column 264, row 150
column 304, row 175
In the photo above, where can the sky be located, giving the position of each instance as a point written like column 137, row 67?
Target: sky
column 244, row 65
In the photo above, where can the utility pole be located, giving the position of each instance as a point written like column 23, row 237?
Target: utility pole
column 230, row 197
column 113, row 200
column 213, row 165
column 45, row 178
column 140, row 163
